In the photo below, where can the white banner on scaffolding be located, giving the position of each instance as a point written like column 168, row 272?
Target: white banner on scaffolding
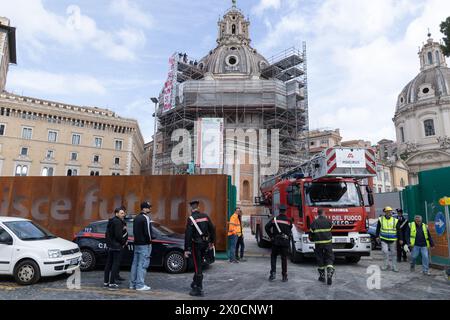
column 209, row 153
column 169, row 91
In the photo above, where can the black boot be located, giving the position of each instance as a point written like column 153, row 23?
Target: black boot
column 196, row 292
column 321, row 275
column 272, row 276
column 330, row 273
column 285, row 278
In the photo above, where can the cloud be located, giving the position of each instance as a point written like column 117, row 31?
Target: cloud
column 131, row 13
column 361, row 54
column 37, row 27
column 265, row 5
column 135, row 109
column 54, row 83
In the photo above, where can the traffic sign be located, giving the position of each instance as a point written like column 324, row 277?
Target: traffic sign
column 439, row 223
column 445, row 201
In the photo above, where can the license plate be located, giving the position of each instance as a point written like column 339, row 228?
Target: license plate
column 340, row 240
column 74, row 261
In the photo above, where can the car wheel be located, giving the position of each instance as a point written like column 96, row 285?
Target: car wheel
column 27, row 273
column 88, row 260
column 175, row 262
column 260, row 241
column 352, row 259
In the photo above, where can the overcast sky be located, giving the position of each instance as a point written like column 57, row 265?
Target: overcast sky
column 361, row 53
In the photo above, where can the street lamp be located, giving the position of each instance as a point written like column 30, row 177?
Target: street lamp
column 155, row 101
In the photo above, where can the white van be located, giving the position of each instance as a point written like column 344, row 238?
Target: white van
column 29, row 252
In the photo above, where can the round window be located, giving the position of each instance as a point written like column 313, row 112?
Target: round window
column 232, row 60
column 425, row 90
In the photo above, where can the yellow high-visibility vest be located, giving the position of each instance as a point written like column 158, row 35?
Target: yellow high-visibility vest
column 412, row 226
column 388, row 229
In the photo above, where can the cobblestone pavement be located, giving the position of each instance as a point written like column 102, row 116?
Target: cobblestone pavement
column 248, row 281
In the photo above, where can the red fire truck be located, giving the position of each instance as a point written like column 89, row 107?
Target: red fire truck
column 334, row 180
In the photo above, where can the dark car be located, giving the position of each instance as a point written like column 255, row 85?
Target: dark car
column 373, row 232
column 167, row 248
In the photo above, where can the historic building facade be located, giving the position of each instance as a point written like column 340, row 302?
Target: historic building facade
column 235, row 83
column 422, row 117
column 46, row 138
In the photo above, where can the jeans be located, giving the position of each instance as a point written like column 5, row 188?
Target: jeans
column 141, row 261
column 232, row 248
column 112, row 266
column 423, row 251
column 240, row 247
column 390, row 253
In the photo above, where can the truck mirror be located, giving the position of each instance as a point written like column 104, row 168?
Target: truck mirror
column 370, row 196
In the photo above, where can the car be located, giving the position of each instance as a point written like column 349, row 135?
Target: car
column 167, row 248
column 29, row 252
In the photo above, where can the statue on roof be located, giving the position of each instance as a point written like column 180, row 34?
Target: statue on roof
column 234, row 3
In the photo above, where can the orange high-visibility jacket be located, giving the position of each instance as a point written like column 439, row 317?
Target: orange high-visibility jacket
column 234, row 226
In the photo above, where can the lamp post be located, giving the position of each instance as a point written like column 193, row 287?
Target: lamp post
column 155, row 101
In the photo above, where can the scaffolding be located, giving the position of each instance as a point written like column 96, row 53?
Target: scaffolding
column 279, row 100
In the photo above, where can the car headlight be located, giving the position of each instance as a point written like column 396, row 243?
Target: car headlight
column 54, row 254
column 365, row 240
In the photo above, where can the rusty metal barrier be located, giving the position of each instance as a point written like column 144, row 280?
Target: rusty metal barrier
column 65, row 205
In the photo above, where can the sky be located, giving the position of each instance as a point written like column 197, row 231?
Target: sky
column 114, row 53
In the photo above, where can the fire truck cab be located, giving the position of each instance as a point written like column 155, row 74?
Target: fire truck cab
column 324, row 182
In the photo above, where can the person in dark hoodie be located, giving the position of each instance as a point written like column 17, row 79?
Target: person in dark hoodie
column 142, row 230
column 115, row 242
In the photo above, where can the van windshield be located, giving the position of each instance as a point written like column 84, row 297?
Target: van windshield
column 29, row 231
column 333, row 194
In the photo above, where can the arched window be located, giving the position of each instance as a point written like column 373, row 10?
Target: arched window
column 21, row 171
column 430, row 58
column 429, row 128
column 402, row 134
column 402, row 182
column 233, row 29
column 69, row 172
column 438, row 58
column 45, row 172
column 246, row 190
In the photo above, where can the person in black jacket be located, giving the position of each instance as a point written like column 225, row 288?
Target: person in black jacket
column 200, row 236
column 115, row 242
column 403, row 222
column 320, row 234
column 142, row 231
column 279, row 229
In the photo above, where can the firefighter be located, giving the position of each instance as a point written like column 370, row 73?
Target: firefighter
column 320, row 234
column 279, row 229
column 388, row 232
column 199, row 237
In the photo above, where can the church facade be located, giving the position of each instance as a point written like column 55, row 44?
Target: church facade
column 422, row 117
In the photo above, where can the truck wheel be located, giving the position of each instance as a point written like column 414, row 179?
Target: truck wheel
column 88, row 260
column 27, row 273
column 260, row 241
column 352, row 259
column 295, row 256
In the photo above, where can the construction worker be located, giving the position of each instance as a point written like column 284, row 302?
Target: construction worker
column 240, row 246
column 388, row 232
column 401, row 253
column 420, row 241
column 320, row 234
column 199, row 237
column 234, row 232
column 279, row 229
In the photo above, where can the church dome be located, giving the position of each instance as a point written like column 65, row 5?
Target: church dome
column 433, row 80
column 233, row 57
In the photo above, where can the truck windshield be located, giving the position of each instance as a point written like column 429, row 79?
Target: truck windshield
column 29, row 231
column 333, row 194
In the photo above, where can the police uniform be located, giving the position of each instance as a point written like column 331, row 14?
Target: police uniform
column 198, row 245
column 320, row 234
column 280, row 241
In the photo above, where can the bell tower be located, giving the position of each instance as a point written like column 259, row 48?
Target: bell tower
column 431, row 55
column 233, row 28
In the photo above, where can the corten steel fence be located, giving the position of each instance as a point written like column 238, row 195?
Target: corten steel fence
column 423, row 200
column 65, row 205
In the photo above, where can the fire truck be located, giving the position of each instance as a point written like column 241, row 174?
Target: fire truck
column 336, row 180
